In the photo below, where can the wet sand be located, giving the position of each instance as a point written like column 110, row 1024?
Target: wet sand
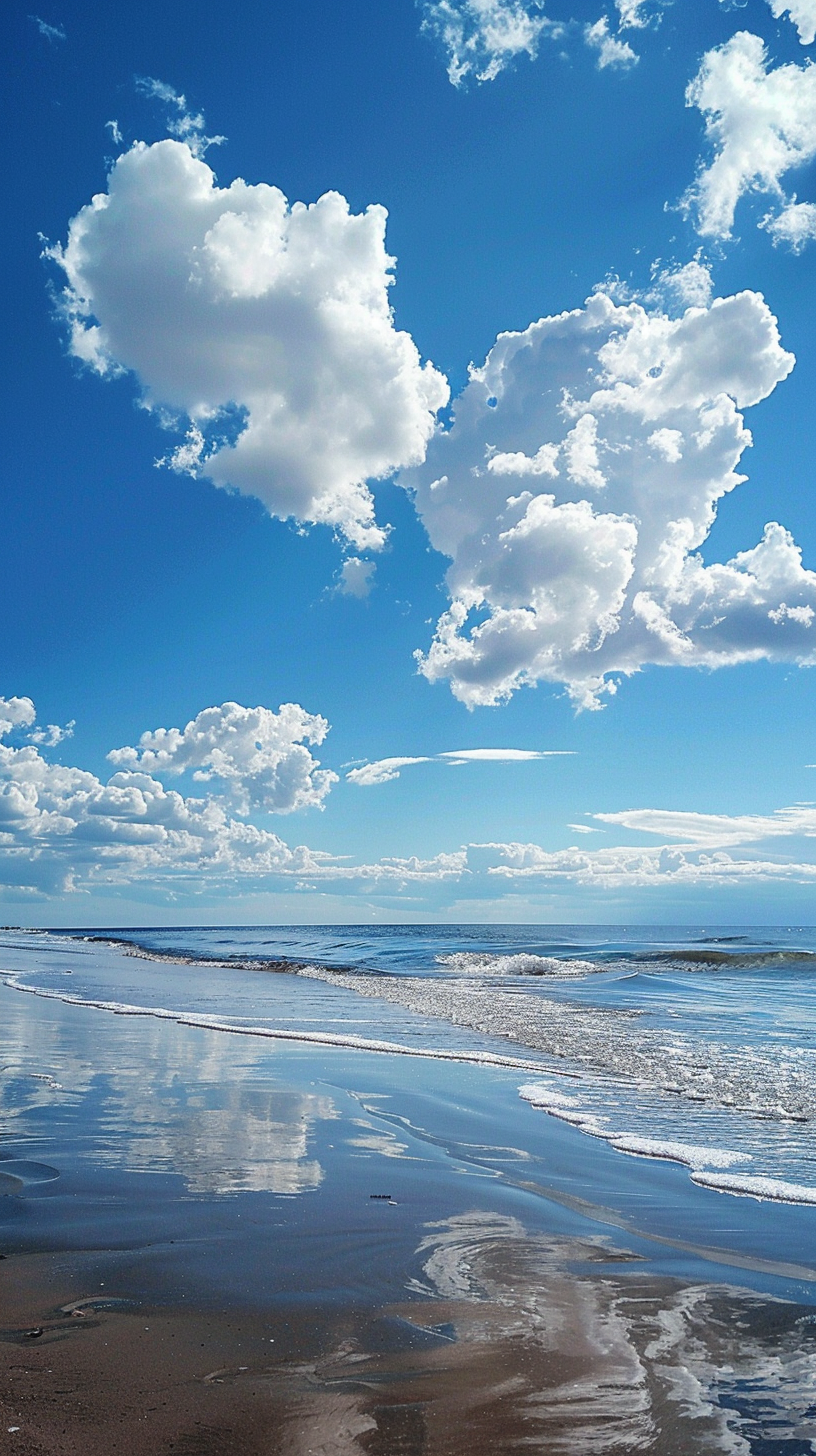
column 516, row 1343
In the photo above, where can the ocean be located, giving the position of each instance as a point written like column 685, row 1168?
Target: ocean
column 695, row 1045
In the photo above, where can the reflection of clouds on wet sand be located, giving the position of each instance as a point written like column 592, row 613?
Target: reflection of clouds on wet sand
column 559, row 1345
column 165, row 1100
column 374, row 1139
column 255, row 1140
column 626, row 1359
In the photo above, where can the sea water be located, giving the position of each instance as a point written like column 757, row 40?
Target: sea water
column 692, row 1044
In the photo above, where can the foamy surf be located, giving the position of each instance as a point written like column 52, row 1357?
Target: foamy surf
column 695, row 1156
column 771, row 1190
column 480, row 963
column 342, row 1040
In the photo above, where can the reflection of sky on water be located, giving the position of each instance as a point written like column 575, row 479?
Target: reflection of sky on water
column 621, row 1361
column 161, row 1099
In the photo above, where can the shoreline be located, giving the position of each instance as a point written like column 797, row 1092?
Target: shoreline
column 564, row 1042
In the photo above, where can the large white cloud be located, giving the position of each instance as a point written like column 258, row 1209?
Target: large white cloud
column 761, row 124
column 580, row 478
column 226, row 299
column 482, row 37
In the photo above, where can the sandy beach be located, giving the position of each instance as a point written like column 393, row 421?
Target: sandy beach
column 280, row 1247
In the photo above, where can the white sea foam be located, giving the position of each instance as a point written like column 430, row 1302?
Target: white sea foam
column 568, row 1109
column 771, row 1189
column 480, row 963
column 319, row 1038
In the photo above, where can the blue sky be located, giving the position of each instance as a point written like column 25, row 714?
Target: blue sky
column 554, row 557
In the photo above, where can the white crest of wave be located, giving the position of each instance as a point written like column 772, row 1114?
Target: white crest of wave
column 481, row 963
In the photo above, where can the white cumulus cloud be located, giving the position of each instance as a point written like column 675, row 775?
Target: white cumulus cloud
column 594, row 568
column 794, row 226
column 258, row 756
column 761, row 123
column 482, row 37
column 356, row 577
column 63, row 830
column 267, row 328
column 16, row 713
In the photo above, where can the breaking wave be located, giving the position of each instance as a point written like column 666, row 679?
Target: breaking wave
column 481, row 963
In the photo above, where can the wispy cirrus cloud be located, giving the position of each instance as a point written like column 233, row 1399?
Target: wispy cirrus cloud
column 611, row 50
column 718, row 831
column 51, row 33
column 182, row 122
column 384, row 770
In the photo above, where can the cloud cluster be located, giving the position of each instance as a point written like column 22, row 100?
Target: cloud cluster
column 20, row 713
column 621, row 868
column 259, row 758
column 581, row 475
column 761, row 123
column 483, row 37
column 383, row 770
column 266, row 327
column 62, row 828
